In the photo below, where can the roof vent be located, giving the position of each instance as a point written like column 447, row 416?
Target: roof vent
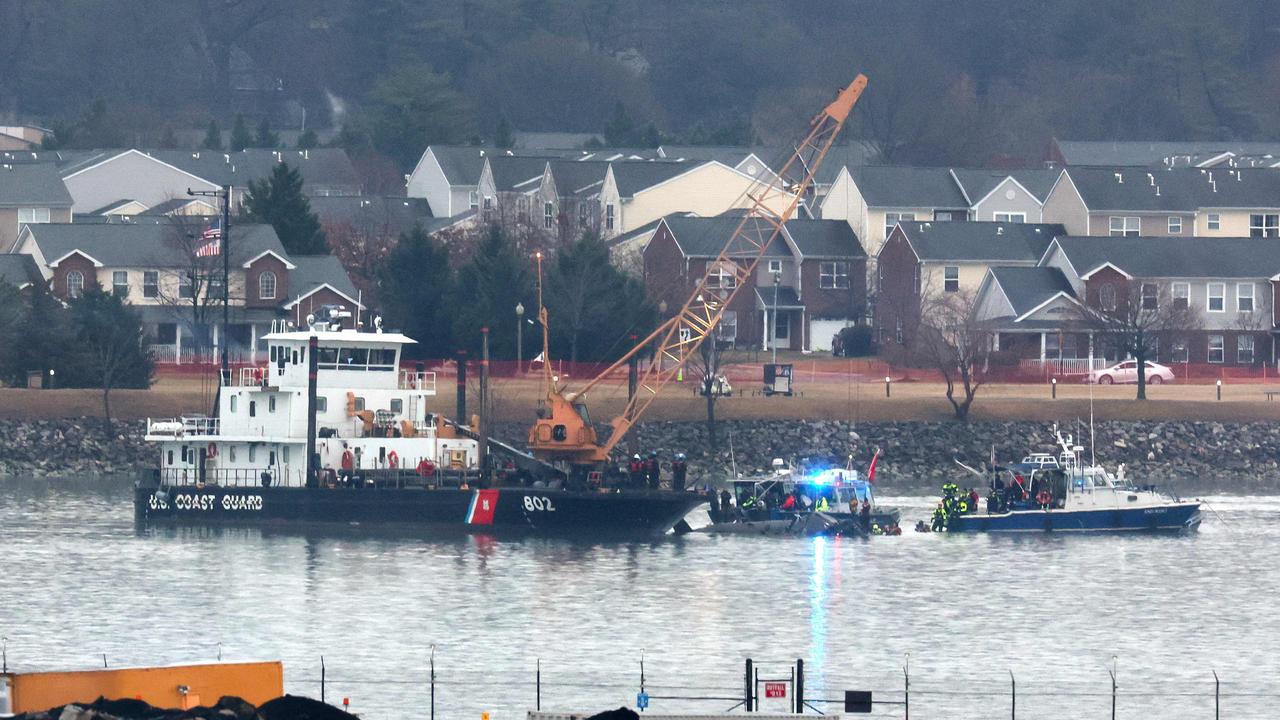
column 999, row 229
column 226, row 158
column 1214, row 185
column 306, row 154
column 1120, row 178
column 1037, row 230
column 35, row 156
column 1151, row 178
column 1157, row 191
column 481, row 153
column 196, row 155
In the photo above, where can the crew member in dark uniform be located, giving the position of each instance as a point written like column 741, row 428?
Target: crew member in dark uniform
column 635, row 471
column 653, row 470
column 678, row 472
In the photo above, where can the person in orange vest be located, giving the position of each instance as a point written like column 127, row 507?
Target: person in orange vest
column 635, row 471
column 348, row 464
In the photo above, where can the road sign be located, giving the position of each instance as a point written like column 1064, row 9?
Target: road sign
column 775, row 690
column 642, row 700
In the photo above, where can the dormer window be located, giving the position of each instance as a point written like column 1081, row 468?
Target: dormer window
column 267, row 286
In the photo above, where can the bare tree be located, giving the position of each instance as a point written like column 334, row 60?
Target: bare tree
column 705, row 368
column 951, row 339
column 190, row 276
column 1134, row 317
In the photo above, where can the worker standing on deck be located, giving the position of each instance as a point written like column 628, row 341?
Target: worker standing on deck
column 865, row 515
column 653, row 470
column 973, row 499
column 348, row 463
column 635, row 471
column 678, row 472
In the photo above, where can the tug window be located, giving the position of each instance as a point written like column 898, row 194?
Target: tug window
column 170, row 457
column 253, row 408
column 271, row 404
column 252, row 453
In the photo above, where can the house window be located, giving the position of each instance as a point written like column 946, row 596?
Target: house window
column 1215, row 349
column 548, row 216
column 728, row 328
column 721, row 278
column 1244, row 297
column 1125, row 225
column 32, row 216
column 1010, row 217
column 1215, row 221
column 267, row 286
column 216, row 288
column 120, row 283
column 782, row 326
column 1244, row 349
column 1107, row 297
column 1178, row 353
column 951, row 278
column 893, row 218
column 1175, row 225
column 186, row 286
column 608, row 216
column 897, row 330
column 75, row 284
column 1217, row 297
column 150, row 284
column 1264, row 226
column 582, row 215
column 775, row 267
column 1181, row 295
column 488, row 202
column 949, row 215
column 833, row 275
column 1150, row 299
column 473, row 199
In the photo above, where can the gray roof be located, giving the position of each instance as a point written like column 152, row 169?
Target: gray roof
column 965, row 241
column 32, row 185
column 787, row 298
column 977, row 183
column 899, row 186
column 578, row 177
column 176, row 204
column 514, row 173
column 854, row 153
column 1175, row 189
column 706, row 236
column 312, row 271
column 106, row 209
column 825, row 239
column 634, row 177
column 1175, row 257
column 384, row 216
column 19, row 270
column 1144, row 153
column 328, row 167
column 461, row 164
column 145, row 244
column 537, row 141
column 1028, row 287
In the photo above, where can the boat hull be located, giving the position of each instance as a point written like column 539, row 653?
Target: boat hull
column 515, row 510
column 1174, row 517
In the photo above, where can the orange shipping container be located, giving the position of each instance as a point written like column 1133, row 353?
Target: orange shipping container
column 175, row 686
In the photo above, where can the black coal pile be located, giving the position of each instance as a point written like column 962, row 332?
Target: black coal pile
column 289, row 707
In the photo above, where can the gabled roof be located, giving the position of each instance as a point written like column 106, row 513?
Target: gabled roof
column 318, row 166
column 106, row 209
column 824, row 239
column 149, row 244
column 32, row 185
column 516, row 174
column 1027, row 288
column 19, row 270
column 897, row 186
column 1117, row 189
column 787, row 298
column 964, row 241
column 852, row 154
column 461, row 164
column 316, row 271
column 977, row 184
column 634, row 177
column 705, row 237
column 1173, row 257
column 578, row 177
column 175, row 204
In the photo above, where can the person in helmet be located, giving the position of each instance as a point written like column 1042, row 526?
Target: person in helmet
column 678, row 473
column 653, row 470
column 635, row 471
column 939, row 518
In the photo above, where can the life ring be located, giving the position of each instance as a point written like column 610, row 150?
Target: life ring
column 211, row 451
column 1043, row 498
column 393, row 460
column 426, row 468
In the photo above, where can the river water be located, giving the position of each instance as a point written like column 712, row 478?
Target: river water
column 962, row 612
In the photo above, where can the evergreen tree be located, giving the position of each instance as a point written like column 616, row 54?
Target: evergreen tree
column 13, row 318
column 308, row 139
column 417, row 288
column 109, row 347
column 240, row 137
column 264, row 138
column 169, row 140
column 503, row 137
column 594, row 307
column 489, row 287
column 278, row 201
column 46, row 340
column 620, row 131
column 212, row 137
column 412, row 107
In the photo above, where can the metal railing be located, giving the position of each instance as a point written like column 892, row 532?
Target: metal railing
column 245, row 377
column 386, row 478
column 1066, row 366
column 183, row 426
column 411, row 380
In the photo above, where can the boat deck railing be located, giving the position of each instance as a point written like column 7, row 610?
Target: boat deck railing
column 413, row 380
column 183, row 426
column 390, row 478
column 245, row 377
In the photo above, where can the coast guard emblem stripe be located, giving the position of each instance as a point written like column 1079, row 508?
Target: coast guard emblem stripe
column 483, row 505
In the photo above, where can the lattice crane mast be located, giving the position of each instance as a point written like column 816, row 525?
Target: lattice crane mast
column 563, row 430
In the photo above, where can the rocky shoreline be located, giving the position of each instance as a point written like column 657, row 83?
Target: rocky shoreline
column 1188, row 456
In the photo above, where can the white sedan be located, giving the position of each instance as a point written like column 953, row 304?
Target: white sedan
column 1127, row 372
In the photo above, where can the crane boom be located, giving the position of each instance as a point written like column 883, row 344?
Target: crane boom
column 563, row 430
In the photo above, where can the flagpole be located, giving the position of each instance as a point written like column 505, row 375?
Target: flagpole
column 226, row 276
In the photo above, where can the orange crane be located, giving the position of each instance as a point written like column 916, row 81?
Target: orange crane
column 563, row 430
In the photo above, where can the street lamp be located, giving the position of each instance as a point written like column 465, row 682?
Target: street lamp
column 519, row 335
column 773, row 329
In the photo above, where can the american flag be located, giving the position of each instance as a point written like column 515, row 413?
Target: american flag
column 211, row 240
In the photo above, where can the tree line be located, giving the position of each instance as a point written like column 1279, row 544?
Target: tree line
column 951, row 83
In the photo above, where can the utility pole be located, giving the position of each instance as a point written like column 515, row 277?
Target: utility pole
column 773, row 329
column 224, row 248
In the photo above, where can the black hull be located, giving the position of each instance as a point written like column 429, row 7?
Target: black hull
column 514, row 510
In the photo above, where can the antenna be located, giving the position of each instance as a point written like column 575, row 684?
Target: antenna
column 1093, row 458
